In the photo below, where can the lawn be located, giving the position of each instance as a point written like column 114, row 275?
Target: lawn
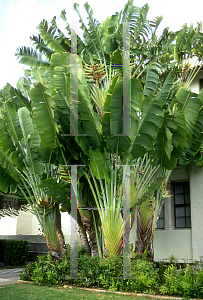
column 35, row 292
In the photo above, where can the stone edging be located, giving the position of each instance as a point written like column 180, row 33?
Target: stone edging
column 117, row 292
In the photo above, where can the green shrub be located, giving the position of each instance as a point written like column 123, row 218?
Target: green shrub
column 14, row 252
column 186, row 283
column 147, row 277
column 172, row 278
column 107, row 273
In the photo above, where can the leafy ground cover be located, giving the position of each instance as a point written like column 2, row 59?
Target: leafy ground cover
column 167, row 279
column 32, row 292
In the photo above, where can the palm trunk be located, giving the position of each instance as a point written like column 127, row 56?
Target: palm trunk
column 144, row 236
column 57, row 253
column 59, row 233
column 84, row 240
column 93, row 242
column 88, row 225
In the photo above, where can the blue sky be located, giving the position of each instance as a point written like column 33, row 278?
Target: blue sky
column 19, row 18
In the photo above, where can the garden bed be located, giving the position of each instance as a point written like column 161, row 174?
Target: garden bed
column 106, row 274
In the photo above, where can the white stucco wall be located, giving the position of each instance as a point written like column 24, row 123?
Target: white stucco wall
column 173, row 242
column 196, row 195
column 195, row 85
column 8, row 225
column 27, row 224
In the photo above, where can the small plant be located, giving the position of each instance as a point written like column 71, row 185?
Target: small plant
column 172, row 259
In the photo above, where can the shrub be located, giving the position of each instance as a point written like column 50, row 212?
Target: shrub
column 107, row 273
column 14, row 252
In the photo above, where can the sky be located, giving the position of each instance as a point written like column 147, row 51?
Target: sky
column 19, row 19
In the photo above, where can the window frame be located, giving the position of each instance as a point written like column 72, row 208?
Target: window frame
column 184, row 205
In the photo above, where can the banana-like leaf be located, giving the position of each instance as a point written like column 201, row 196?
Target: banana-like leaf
column 49, row 228
column 9, row 176
column 100, row 164
column 32, row 141
column 152, row 79
column 143, row 175
column 11, row 149
column 151, row 120
column 38, row 42
column 23, row 85
column 58, row 60
column 198, row 159
column 197, row 139
column 89, row 119
column 43, row 109
column 31, row 58
column 95, row 47
column 170, row 140
column 151, row 189
column 112, row 119
column 10, row 93
column 166, row 88
column 40, row 75
column 59, row 191
column 189, row 104
column 49, row 38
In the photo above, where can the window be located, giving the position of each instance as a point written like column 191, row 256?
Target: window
column 161, row 220
column 182, row 204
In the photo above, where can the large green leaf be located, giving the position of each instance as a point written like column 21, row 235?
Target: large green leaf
column 189, row 104
column 9, row 176
column 170, row 141
column 152, row 79
column 38, row 42
column 43, row 109
column 60, row 191
column 32, row 141
column 18, row 99
column 89, row 119
column 58, row 60
column 31, row 57
column 52, row 41
column 112, row 119
column 100, row 164
column 151, row 189
column 23, row 85
column 150, row 121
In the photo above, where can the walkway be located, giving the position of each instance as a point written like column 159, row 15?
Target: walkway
column 10, row 276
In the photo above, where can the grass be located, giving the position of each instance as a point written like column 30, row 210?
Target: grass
column 34, row 292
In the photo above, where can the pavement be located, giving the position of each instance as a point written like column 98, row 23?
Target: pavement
column 10, row 276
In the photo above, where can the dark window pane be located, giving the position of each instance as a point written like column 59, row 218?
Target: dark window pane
column 188, row 222
column 179, row 199
column 180, row 211
column 187, row 187
column 178, row 188
column 180, row 222
column 187, row 211
column 187, row 198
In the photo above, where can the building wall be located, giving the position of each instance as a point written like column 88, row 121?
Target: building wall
column 8, row 225
column 195, row 85
column 186, row 244
column 196, row 194
column 173, row 242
